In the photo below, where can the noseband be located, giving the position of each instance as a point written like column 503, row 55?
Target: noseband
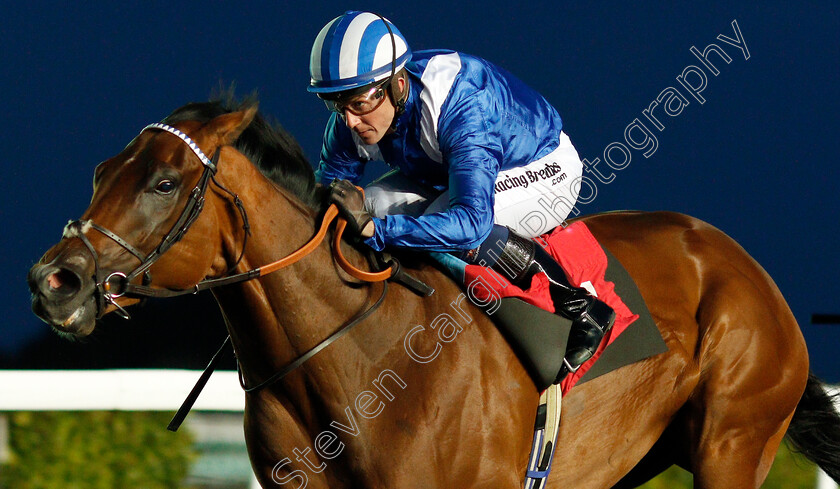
column 117, row 284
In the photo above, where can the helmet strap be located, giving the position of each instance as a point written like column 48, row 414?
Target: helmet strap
column 399, row 103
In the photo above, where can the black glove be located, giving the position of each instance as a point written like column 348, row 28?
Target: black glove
column 350, row 201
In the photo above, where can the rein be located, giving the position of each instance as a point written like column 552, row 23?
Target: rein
column 136, row 290
column 119, row 284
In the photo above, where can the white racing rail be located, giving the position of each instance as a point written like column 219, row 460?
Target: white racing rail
column 121, row 390
column 136, row 390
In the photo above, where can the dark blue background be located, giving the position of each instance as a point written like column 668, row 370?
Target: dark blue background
column 757, row 160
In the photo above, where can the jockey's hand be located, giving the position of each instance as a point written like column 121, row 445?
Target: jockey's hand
column 350, row 201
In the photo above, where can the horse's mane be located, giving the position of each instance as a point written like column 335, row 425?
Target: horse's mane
column 273, row 150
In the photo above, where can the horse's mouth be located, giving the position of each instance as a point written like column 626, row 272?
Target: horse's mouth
column 70, row 322
column 77, row 318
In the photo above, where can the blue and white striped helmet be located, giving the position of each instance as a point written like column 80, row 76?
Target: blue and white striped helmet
column 354, row 50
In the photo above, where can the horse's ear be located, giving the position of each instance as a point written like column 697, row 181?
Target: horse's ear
column 227, row 127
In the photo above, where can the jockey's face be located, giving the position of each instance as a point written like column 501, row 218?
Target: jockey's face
column 371, row 127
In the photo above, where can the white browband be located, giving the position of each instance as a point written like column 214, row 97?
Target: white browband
column 194, row 147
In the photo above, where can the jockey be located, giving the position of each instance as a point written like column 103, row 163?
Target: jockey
column 480, row 161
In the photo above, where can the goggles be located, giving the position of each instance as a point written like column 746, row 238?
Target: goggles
column 358, row 104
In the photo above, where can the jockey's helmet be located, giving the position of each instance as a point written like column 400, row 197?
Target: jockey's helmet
column 354, row 51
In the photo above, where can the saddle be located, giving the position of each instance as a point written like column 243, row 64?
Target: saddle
column 538, row 336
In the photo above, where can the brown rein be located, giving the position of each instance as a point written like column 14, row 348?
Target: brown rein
column 329, row 217
column 138, row 290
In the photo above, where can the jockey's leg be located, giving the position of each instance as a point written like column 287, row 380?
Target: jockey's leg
column 519, row 259
column 394, row 193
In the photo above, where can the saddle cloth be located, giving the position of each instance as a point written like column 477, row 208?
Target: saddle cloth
column 539, row 336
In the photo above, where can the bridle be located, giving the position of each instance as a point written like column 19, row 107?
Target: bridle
column 118, row 284
column 114, row 285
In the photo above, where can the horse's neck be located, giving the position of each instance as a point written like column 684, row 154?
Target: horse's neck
column 279, row 317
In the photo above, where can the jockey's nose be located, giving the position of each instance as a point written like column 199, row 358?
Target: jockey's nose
column 351, row 119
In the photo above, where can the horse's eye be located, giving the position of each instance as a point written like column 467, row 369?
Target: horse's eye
column 165, row 187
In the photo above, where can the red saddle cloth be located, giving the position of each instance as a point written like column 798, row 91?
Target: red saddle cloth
column 583, row 259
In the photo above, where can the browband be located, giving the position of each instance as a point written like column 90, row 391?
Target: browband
column 194, row 147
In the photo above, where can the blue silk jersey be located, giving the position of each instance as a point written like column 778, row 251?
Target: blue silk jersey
column 465, row 120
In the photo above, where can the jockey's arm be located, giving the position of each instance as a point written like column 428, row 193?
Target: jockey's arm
column 464, row 225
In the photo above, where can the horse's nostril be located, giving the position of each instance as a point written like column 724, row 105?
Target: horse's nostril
column 64, row 281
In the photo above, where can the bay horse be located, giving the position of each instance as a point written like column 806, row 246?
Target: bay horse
column 364, row 412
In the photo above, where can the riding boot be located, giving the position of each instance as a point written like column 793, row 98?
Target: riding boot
column 520, row 259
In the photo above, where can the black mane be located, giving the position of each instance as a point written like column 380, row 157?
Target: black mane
column 273, row 150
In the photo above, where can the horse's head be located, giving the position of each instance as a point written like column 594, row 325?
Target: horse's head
column 142, row 198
